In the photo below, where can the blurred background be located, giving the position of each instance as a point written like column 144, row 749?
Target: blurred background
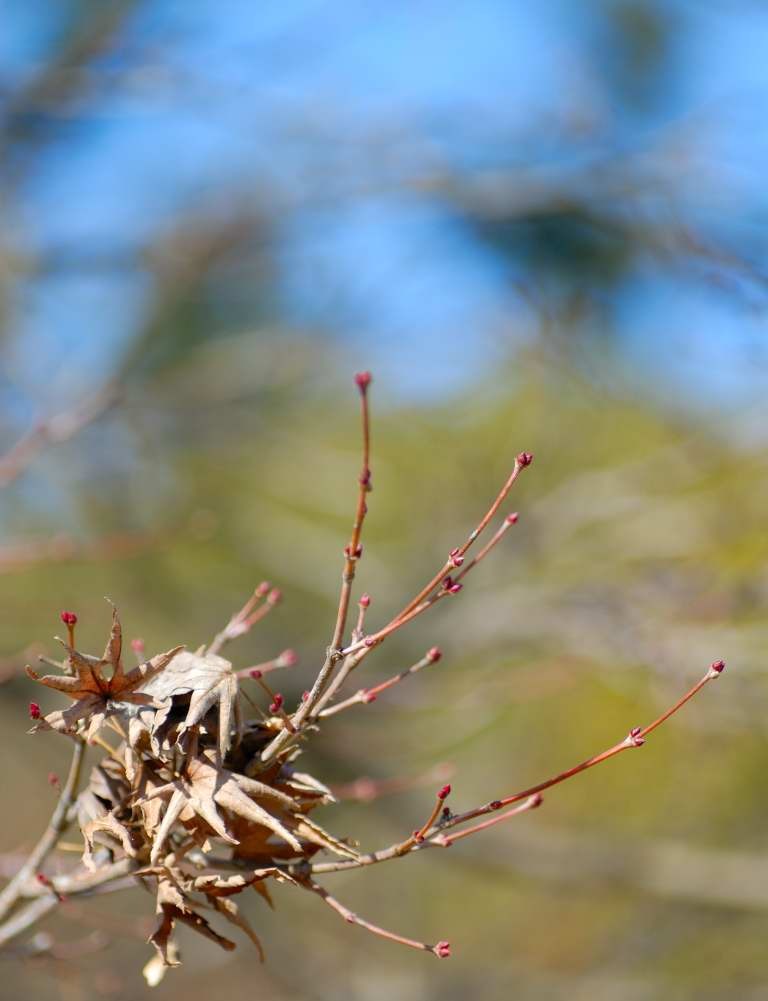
column 543, row 227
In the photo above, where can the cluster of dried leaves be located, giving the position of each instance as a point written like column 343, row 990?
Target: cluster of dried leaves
column 201, row 804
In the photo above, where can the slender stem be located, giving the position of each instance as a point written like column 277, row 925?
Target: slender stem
column 55, row 429
column 635, row 738
column 498, row 535
column 366, row 695
column 441, row 949
column 450, row 563
column 53, row 832
column 46, row 899
column 405, row 617
column 365, row 789
column 352, row 552
column 242, row 621
column 446, row 840
column 268, row 665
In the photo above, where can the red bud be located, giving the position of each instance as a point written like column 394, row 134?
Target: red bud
column 363, row 380
column 277, row 704
column 34, row 710
column 634, row 737
column 365, row 600
column 445, row 792
column 434, row 654
column 68, row 618
column 525, row 459
column 442, row 950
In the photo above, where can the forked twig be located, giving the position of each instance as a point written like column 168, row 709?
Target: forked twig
column 56, row 827
column 434, row 835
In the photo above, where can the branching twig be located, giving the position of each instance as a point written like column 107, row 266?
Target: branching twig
column 434, row 836
column 46, row 844
column 46, row 897
column 367, row 695
column 251, row 613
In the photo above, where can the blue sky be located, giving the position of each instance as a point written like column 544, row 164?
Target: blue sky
column 299, row 99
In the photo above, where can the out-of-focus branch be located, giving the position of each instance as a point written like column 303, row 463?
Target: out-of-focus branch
column 54, row 430
column 62, row 547
column 46, row 844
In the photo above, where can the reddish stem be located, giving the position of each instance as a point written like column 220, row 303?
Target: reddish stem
column 442, row 949
column 353, row 551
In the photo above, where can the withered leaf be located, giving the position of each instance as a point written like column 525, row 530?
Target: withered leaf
column 110, row 825
column 230, row 910
column 209, row 681
column 94, row 692
column 172, row 906
column 202, row 790
column 311, row 831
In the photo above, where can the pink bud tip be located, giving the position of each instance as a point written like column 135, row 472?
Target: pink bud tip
column 442, row 950
column 525, row 459
column 455, row 558
column 365, row 478
column 369, row 697
column 718, row 667
column 277, row 704
column 304, row 696
column 511, row 519
column 365, row 601
column 634, row 737
column 369, row 641
column 455, row 588
column 445, row 792
column 363, row 380
column 42, row 879
column 137, row 645
column 434, row 654
column 288, row 658
column 356, row 553
column 34, row 710
column 263, row 588
column 496, row 804
column 68, row 618
column 448, row 582
column 274, row 596
column 536, row 800
column 53, row 780
column 255, row 674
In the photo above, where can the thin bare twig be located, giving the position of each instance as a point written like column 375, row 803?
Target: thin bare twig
column 352, row 553
column 253, row 611
column 433, row 836
column 368, row 695
column 54, row 430
column 56, row 826
column 442, row 949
